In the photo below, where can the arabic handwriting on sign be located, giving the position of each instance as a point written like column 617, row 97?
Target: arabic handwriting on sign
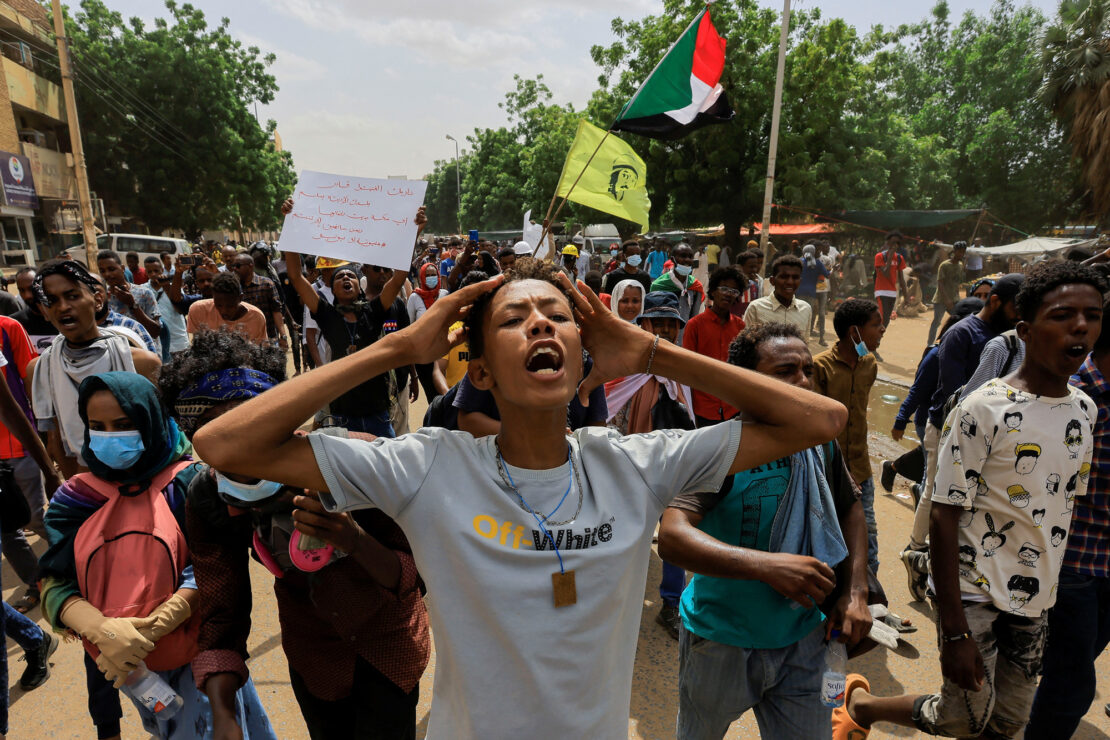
column 336, row 184
column 310, row 195
column 329, row 239
column 334, row 199
column 400, row 191
column 369, row 189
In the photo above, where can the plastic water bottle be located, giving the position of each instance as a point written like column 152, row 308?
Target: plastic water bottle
column 832, row 683
column 150, row 690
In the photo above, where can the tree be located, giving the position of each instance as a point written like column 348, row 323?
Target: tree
column 166, row 117
column 1076, row 62
column 441, row 199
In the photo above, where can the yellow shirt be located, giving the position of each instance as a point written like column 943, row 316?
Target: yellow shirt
column 458, row 359
column 712, row 253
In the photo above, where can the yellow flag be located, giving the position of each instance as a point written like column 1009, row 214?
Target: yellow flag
column 615, row 180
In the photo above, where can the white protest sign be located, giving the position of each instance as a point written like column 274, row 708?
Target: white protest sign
column 359, row 219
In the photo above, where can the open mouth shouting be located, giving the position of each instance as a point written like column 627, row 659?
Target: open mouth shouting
column 1077, row 351
column 545, row 359
column 67, row 322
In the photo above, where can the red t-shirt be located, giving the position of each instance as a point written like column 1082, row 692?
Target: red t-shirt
column 886, row 274
column 17, row 349
column 708, row 335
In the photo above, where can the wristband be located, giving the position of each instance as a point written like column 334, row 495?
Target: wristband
column 955, row 638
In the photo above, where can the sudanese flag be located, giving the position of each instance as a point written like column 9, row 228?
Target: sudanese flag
column 683, row 92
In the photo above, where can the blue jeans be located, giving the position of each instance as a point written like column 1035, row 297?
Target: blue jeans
column 867, row 498
column 717, row 683
column 939, row 312
column 671, row 584
column 1078, row 630
column 376, row 424
column 194, row 720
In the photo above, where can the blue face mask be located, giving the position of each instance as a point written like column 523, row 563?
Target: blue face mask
column 683, row 270
column 431, row 281
column 861, row 347
column 612, row 253
column 246, row 493
column 635, row 260
column 117, row 450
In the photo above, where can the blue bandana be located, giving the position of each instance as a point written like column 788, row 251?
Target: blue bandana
column 232, row 384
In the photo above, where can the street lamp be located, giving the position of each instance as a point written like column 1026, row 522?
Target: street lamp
column 458, row 183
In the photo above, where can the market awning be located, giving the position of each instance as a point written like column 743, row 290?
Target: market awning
column 900, row 219
column 1032, row 247
column 795, row 229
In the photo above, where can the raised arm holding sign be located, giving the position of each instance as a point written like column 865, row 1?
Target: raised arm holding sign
column 354, row 218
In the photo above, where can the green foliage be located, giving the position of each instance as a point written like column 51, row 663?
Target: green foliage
column 201, row 159
column 938, row 114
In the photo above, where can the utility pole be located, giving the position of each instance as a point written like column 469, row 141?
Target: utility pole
column 458, row 182
column 88, row 226
column 776, row 111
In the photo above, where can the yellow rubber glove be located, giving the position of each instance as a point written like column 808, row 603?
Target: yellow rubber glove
column 115, row 637
column 167, row 617
column 111, row 671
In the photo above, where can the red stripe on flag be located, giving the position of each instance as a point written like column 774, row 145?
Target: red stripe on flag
column 709, row 53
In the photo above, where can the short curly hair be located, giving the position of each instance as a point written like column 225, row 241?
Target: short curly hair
column 226, row 283
column 1047, row 277
column 525, row 268
column 786, row 260
column 852, row 312
column 728, row 272
column 744, row 350
column 213, row 351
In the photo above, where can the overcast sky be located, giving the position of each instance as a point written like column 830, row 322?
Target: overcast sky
column 372, row 88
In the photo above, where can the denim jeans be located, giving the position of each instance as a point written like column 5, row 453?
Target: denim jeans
column 717, row 683
column 16, row 548
column 671, row 584
column 1078, row 630
column 939, row 312
column 867, row 499
column 376, row 424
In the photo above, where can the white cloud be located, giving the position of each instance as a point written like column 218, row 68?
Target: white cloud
column 289, row 66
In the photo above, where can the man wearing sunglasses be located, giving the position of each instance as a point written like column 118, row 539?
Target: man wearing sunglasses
column 711, row 332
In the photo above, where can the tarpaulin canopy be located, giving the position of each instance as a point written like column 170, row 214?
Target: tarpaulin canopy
column 796, row 229
column 900, row 219
column 1032, row 247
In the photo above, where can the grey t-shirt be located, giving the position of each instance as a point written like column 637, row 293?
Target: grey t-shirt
column 508, row 663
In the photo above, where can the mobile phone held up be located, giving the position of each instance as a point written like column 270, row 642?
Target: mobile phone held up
column 188, row 260
column 473, row 237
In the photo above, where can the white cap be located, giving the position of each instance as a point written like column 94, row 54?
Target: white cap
column 522, row 248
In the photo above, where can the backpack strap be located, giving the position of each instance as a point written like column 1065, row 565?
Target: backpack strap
column 111, row 490
column 1011, row 350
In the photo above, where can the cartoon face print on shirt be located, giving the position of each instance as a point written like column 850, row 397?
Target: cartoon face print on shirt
column 1029, row 554
column 968, row 425
column 1014, row 397
column 967, row 560
column 975, row 484
column 956, row 457
column 1052, row 484
column 1073, row 438
column 1028, row 453
column 1059, row 534
column 988, row 439
column 1038, row 515
column 1069, row 494
column 993, row 539
column 956, row 496
column 1019, row 497
column 1012, row 420
column 967, row 516
column 1022, row 590
column 1084, row 472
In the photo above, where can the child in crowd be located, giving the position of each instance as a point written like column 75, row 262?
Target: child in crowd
column 995, row 563
column 531, row 538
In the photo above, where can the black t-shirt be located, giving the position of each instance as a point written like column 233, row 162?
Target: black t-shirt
column 41, row 331
column 340, row 334
column 619, row 274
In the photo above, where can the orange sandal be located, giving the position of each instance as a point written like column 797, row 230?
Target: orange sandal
column 843, row 726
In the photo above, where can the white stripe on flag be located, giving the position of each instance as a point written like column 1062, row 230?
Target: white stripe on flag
column 699, row 91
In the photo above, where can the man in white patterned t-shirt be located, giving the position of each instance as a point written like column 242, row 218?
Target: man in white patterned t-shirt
column 1013, row 456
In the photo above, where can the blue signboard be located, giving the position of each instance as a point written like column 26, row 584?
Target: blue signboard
column 19, row 185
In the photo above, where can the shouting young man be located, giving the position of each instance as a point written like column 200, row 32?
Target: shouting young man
column 1014, row 456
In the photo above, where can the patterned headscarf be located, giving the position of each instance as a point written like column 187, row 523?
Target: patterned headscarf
column 70, row 269
column 232, row 384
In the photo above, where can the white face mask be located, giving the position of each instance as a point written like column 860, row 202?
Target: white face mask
column 634, row 260
column 431, row 281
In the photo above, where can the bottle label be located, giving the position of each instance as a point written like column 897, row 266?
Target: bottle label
column 832, row 689
column 156, row 698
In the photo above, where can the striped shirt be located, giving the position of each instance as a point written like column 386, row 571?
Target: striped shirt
column 1089, row 541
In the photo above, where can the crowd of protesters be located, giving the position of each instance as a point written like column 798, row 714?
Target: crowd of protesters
column 578, row 407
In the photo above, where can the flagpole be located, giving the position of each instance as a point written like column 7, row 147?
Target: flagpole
column 549, row 218
column 773, row 152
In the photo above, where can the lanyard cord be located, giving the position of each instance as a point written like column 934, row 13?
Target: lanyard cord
column 530, row 510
